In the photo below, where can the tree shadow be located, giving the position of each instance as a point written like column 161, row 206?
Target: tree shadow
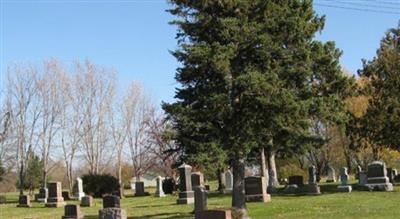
column 164, row 215
column 152, row 206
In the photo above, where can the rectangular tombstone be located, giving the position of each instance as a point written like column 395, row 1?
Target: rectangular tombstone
column 197, row 179
column 72, row 212
column 255, row 189
column 296, row 180
column 186, row 194
column 112, row 213
column 87, row 201
column 377, row 177
column 200, row 201
column 139, row 189
column 55, row 198
column 24, row 202
column 344, row 177
column 111, row 201
column 65, row 195
column 216, row 214
column 390, row 174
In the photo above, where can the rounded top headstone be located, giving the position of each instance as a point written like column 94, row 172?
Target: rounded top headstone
column 184, row 166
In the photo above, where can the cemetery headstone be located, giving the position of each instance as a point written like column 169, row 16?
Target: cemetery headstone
column 65, row 195
column 159, row 189
column 296, row 180
column 391, row 173
column 228, row 181
column 111, row 208
column 78, row 189
column 42, row 196
column 377, row 177
column 216, row 214
column 313, row 188
column 200, row 201
column 55, row 198
column 344, row 178
column 186, row 194
column 87, row 201
column 24, row 201
column 331, row 175
column 255, row 190
column 111, row 201
column 72, row 212
column 207, row 187
column 197, row 179
column 139, row 189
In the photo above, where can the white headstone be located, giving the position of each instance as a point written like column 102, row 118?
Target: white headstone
column 79, row 189
column 159, row 191
column 228, row 180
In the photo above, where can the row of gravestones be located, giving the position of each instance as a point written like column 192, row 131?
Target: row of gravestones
column 377, row 177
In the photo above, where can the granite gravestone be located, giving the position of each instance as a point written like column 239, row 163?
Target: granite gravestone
column 43, row 195
column 313, row 187
column 344, row 178
column 255, row 190
column 200, row 201
column 197, row 179
column 111, row 208
column 78, row 189
column 228, row 176
column 65, row 195
column 139, row 189
column 72, row 212
column 24, row 201
column 159, row 190
column 186, row 194
column 55, row 198
column 391, row 173
column 377, row 177
column 87, row 201
column 296, row 180
column 216, row 214
column 331, row 175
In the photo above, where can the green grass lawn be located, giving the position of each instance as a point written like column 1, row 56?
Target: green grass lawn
column 358, row 204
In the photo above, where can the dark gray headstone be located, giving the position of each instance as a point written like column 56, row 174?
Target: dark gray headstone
column 197, row 179
column 296, row 180
column 24, row 201
column 111, row 201
column 255, row 190
column 87, row 201
column 65, row 195
column 55, row 198
column 139, row 189
column 200, row 201
column 72, row 212
column 377, row 177
column 112, row 213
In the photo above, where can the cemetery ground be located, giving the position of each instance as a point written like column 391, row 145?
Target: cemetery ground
column 331, row 204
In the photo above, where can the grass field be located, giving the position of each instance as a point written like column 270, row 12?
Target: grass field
column 358, row 204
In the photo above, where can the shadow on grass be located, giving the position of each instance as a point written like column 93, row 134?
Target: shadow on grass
column 152, row 206
column 164, row 215
column 150, row 216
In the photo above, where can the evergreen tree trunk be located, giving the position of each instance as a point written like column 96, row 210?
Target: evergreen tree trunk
column 238, row 193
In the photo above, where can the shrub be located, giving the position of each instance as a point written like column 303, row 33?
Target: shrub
column 99, row 185
column 168, row 185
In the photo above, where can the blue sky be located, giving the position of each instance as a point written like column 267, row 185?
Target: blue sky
column 134, row 37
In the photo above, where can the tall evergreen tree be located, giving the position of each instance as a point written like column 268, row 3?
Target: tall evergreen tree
column 251, row 73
